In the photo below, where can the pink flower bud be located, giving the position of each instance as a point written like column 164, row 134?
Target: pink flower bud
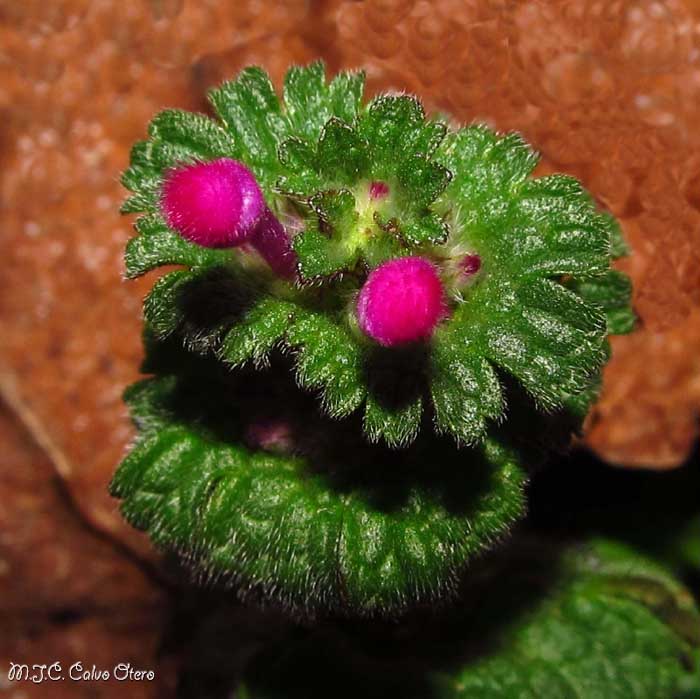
column 214, row 204
column 401, row 301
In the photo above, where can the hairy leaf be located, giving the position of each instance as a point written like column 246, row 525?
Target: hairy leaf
column 359, row 185
column 333, row 523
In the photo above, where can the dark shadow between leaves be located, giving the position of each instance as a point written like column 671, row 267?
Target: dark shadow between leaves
column 212, row 301
column 534, row 435
column 373, row 658
column 234, row 406
column 395, row 377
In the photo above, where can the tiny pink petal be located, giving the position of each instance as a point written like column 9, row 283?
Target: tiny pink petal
column 401, row 301
column 470, row 264
column 214, row 204
column 378, row 190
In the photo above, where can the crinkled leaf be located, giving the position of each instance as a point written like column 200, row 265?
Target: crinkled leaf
column 389, row 125
column 466, row 391
column 327, row 251
column 162, row 308
column 305, row 99
column 396, row 425
column 157, row 245
column 300, row 176
column 342, row 155
column 421, row 230
column 251, row 112
column 318, row 257
column 202, row 137
column 421, row 181
column 345, row 93
column 312, row 533
column 310, row 102
column 327, row 358
column 612, row 292
column 257, row 333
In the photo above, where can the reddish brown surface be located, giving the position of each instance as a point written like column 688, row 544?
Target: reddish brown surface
column 68, row 594
column 607, row 91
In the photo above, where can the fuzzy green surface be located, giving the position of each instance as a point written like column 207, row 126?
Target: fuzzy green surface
column 344, row 519
column 330, row 524
column 539, row 310
column 587, row 622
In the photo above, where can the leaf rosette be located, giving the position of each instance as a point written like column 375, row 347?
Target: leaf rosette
column 329, row 513
column 539, row 309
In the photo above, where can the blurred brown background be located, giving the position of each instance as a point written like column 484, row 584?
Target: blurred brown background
column 607, row 91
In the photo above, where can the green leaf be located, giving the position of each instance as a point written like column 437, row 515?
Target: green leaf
column 317, row 257
column 257, row 333
column 388, row 125
column 541, row 352
column 157, row 245
column 421, row 230
column 609, row 624
column 301, row 177
column 310, row 102
column 342, row 155
column 328, row 359
column 397, row 426
column 425, row 140
column 199, row 135
column 578, row 237
column 320, row 530
column 162, row 308
column 251, row 112
column 601, row 634
column 305, row 98
column 297, row 156
column 421, row 180
column 345, row 92
column 138, row 203
column 142, row 178
column 328, row 252
column 618, row 244
column 612, row 292
column 335, row 208
column 466, row 391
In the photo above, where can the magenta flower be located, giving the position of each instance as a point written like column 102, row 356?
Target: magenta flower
column 401, row 301
column 214, row 204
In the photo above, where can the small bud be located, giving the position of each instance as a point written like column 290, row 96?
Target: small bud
column 214, row 204
column 378, row 190
column 401, row 301
column 273, row 435
column 470, row 264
